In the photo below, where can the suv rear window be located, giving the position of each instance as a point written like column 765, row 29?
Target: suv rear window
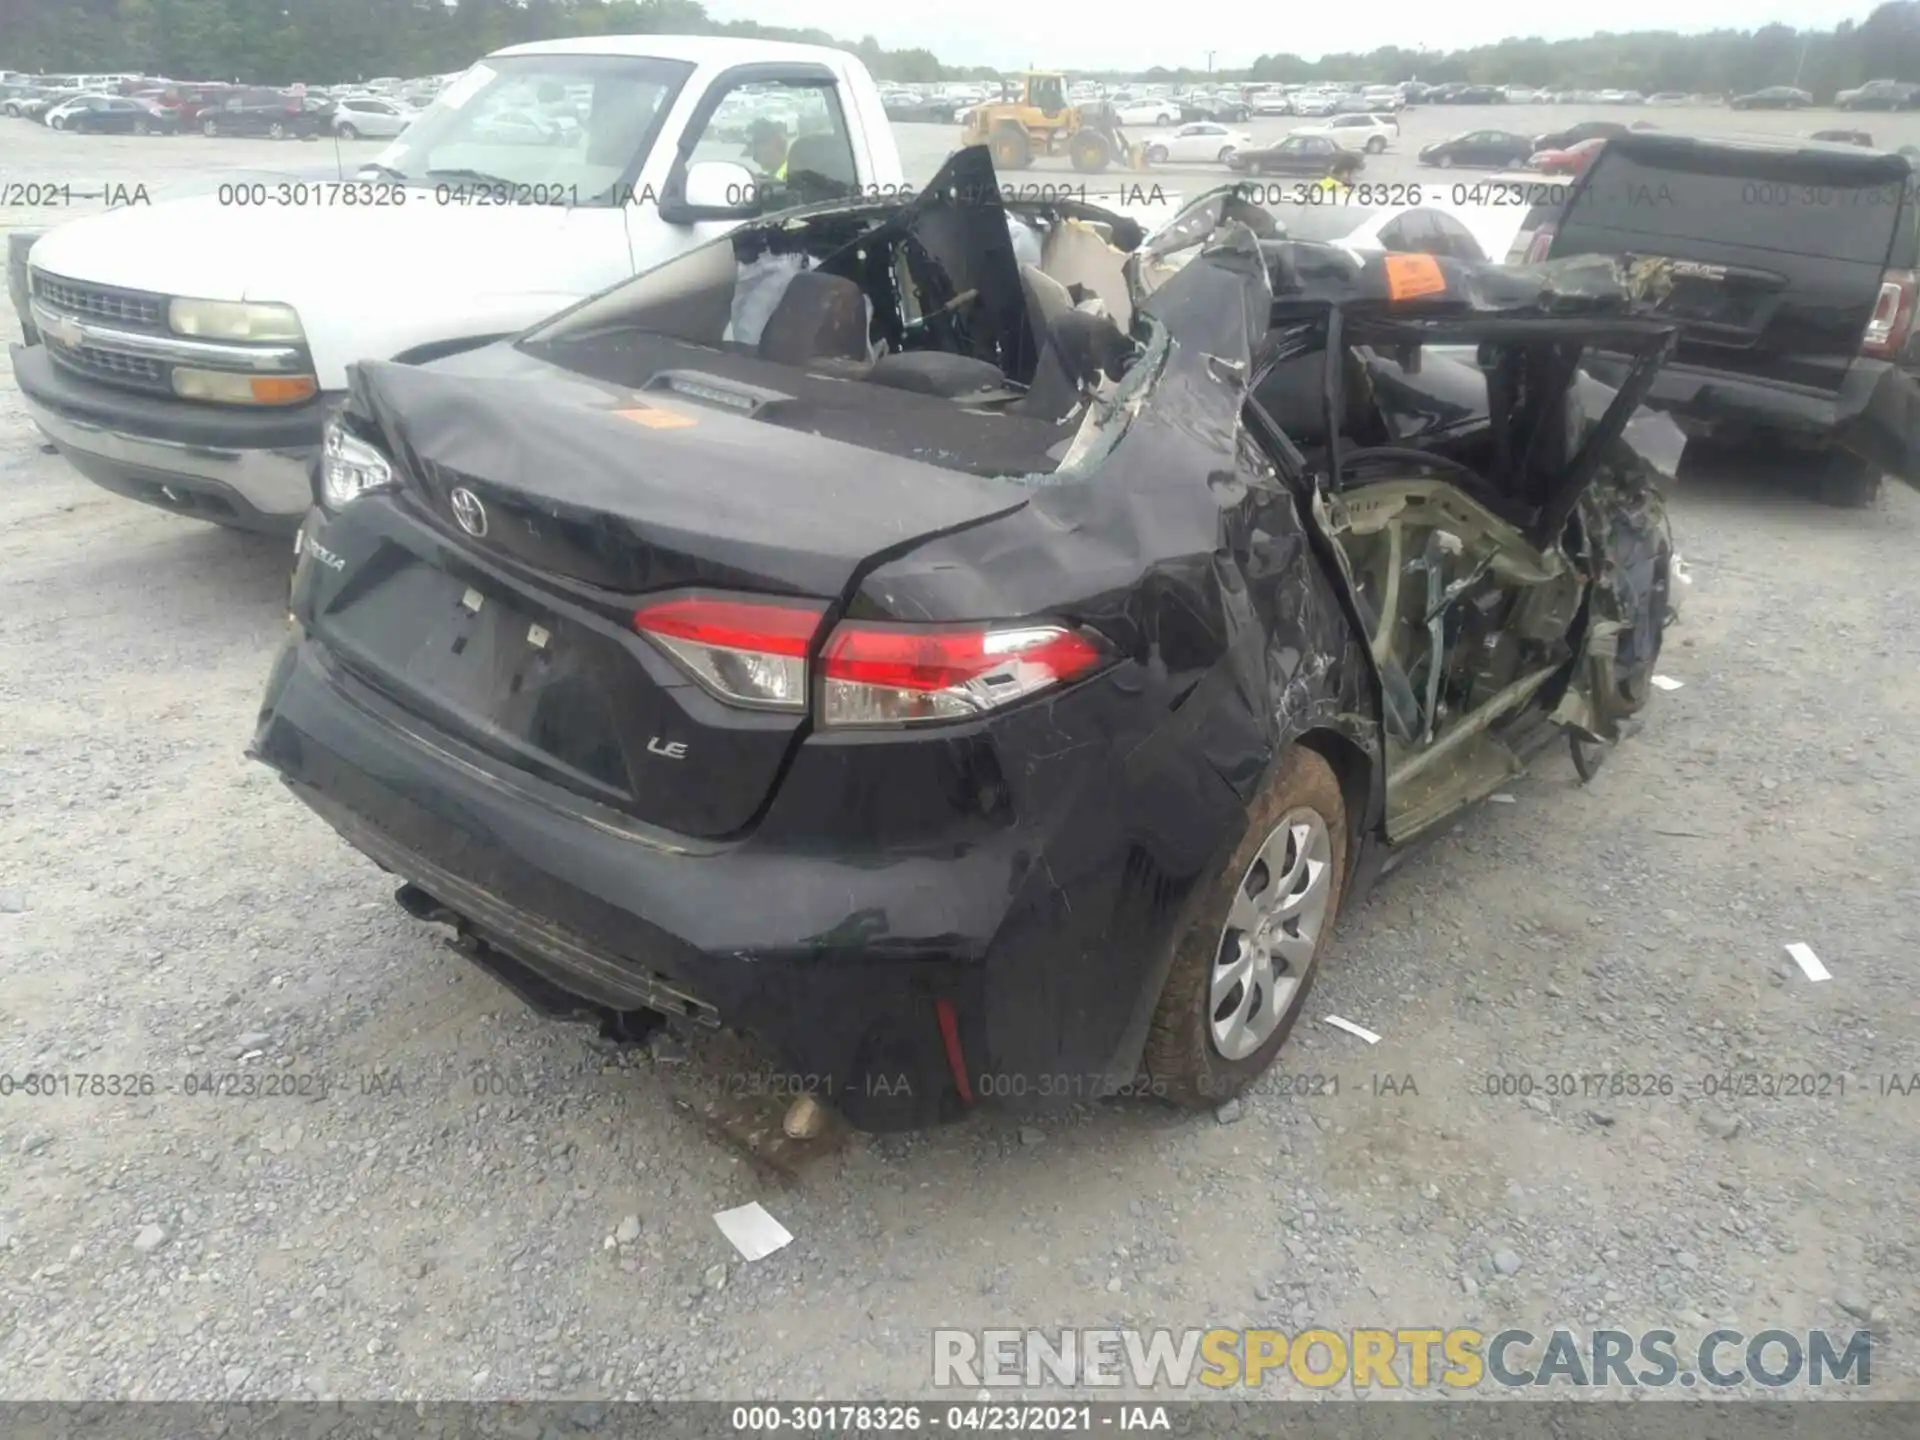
column 1795, row 203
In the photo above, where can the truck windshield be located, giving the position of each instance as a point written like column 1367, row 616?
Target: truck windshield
column 566, row 129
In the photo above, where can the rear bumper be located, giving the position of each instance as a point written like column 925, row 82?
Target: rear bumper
column 250, row 471
column 1875, row 415
column 836, row 960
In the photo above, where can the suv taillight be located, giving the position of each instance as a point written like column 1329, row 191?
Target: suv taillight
column 1542, row 243
column 754, row 653
column 1892, row 316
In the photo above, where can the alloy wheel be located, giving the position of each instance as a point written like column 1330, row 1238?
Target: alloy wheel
column 1272, row 934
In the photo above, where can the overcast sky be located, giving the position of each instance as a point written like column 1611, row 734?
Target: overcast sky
column 1134, row 34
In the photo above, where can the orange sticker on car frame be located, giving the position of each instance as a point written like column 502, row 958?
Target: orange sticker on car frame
column 655, row 419
column 1411, row 276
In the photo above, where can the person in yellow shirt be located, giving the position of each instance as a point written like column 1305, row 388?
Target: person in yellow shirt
column 767, row 148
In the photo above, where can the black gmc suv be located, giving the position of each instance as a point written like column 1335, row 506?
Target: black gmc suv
column 1790, row 267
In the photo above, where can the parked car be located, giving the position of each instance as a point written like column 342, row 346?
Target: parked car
column 1315, row 102
column 1148, row 112
column 1795, row 307
column 1312, row 156
column 1843, row 137
column 1219, row 109
column 1195, row 144
column 1573, row 134
column 1479, row 149
column 1271, row 102
column 1396, row 229
column 272, row 113
column 661, row 760
column 43, row 104
column 1880, row 95
column 1477, row 95
column 1571, row 161
column 357, row 115
column 190, row 102
column 187, row 354
column 1773, row 97
column 1367, row 133
column 111, row 115
column 909, row 108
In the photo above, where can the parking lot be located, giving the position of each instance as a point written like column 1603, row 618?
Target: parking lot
column 462, row 1201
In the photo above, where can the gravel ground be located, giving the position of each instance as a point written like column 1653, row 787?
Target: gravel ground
column 484, row 1205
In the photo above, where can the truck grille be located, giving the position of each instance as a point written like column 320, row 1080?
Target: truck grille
column 134, row 371
column 132, row 308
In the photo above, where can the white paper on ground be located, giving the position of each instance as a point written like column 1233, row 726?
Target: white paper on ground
column 754, row 1233
column 1501, row 799
column 1353, row 1029
column 1667, row 682
column 1809, row 962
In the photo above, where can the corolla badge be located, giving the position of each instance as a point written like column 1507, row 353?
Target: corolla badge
column 468, row 510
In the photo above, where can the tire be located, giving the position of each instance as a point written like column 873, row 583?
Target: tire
column 1010, row 146
column 56, row 124
column 1632, row 692
column 1846, row 482
column 1376, row 146
column 347, row 132
column 1183, row 1056
column 1445, row 162
column 1156, row 154
column 1163, row 118
column 1089, row 152
column 276, row 131
column 209, row 126
column 1225, row 157
column 141, row 127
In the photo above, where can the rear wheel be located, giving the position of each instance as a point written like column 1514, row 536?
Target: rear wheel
column 276, row 131
column 1156, row 154
column 1225, row 157
column 1376, row 145
column 1847, row 482
column 347, row 132
column 141, row 127
column 209, row 126
column 1241, row 972
column 1011, row 148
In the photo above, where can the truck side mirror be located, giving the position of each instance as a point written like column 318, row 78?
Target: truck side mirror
column 713, row 190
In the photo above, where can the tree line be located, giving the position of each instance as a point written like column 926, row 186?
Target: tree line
column 331, row 41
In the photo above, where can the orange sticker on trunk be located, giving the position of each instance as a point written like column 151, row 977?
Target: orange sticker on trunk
column 1411, row 276
column 658, row 419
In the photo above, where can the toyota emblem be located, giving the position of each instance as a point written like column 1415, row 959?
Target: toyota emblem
column 468, row 510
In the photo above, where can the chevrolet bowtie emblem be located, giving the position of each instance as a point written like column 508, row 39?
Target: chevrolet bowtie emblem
column 66, row 331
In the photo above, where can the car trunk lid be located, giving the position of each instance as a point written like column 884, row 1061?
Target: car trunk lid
column 1770, row 260
column 541, row 510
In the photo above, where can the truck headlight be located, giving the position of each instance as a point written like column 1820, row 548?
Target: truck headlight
column 350, row 467
column 231, row 320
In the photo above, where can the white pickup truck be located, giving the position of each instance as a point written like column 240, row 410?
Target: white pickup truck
column 187, row 353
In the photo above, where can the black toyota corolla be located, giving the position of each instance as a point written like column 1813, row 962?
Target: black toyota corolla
column 972, row 646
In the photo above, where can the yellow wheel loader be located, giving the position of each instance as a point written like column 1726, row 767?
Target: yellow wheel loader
column 1041, row 122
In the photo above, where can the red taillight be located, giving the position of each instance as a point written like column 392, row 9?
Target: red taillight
column 1542, row 243
column 754, row 652
column 1892, row 316
column 897, row 674
column 747, row 652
